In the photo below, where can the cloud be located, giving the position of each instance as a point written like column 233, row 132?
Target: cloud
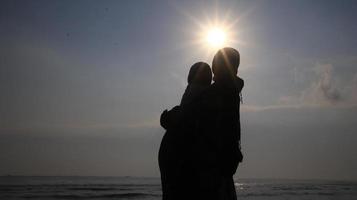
column 353, row 88
column 326, row 89
column 320, row 85
column 326, row 85
column 323, row 90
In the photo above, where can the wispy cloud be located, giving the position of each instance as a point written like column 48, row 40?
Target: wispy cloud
column 321, row 91
column 327, row 88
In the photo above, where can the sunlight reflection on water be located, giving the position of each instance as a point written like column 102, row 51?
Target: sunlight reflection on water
column 239, row 186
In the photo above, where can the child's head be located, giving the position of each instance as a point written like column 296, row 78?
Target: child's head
column 200, row 74
column 225, row 63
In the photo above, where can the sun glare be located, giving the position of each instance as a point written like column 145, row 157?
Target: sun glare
column 213, row 31
column 216, row 37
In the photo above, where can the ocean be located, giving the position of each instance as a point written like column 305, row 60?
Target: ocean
column 103, row 188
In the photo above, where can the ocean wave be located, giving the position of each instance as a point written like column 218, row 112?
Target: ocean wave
column 94, row 189
column 75, row 196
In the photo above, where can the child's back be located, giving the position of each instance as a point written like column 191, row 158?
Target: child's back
column 174, row 160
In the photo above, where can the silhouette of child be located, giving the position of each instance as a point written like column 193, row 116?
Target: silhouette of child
column 174, row 161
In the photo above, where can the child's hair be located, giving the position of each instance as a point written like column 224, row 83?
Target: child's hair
column 200, row 73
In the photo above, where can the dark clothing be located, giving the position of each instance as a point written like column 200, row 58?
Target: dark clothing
column 169, row 154
column 200, row 151
column 219, row 125
column 168, row 164
column 175, row 160
column 218, row 140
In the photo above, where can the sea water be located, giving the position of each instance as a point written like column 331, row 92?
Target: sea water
column 102, row 188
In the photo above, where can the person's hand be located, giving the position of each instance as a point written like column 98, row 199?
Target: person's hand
column 164, row 119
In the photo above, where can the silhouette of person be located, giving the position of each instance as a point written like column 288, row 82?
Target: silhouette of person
column 218, row 129
column 209, row 129
column 175, row 162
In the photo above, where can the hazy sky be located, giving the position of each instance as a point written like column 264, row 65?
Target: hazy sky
column 83, row 84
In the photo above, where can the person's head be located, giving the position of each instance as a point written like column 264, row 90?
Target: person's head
column 200, row 73
column 225, row 63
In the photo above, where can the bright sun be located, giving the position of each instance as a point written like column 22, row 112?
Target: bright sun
column 213, row 31
column 216, row 37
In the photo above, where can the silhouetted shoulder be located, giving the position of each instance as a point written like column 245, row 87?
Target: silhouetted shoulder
column 239, row 84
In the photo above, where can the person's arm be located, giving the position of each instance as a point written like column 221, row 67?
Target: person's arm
column 171, row 118
column 181, row 114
